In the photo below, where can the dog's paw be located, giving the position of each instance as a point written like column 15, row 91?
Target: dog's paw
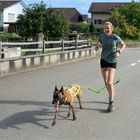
column 53, row 123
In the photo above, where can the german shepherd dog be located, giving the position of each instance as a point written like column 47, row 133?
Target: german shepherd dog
column 66, row 96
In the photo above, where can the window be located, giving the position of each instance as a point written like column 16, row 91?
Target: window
column 11, row 17
column 98, row 21
column 16, row 28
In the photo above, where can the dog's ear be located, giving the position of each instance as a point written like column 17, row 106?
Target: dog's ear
column 56, row 88
column 62, row 89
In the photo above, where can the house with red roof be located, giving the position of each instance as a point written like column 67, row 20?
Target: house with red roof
column 100, row 12
column 72, row 15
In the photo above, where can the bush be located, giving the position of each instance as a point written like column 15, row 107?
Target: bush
column 79, row 27
column 9, row 37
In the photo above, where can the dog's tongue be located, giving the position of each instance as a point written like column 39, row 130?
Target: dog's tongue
column 57, row 106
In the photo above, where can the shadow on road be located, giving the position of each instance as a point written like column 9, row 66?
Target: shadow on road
column 96, row 109
column 34, row 116
column 23, row 117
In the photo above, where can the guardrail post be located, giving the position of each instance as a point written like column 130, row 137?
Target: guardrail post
column 0, row 50
column 88, row 43
column 76, row 43
column 43, row 46
column 40, row 39
column 62, row 44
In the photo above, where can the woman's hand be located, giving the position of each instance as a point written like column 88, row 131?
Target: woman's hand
column 97, row 47
column 117, row 54
column 122, row 46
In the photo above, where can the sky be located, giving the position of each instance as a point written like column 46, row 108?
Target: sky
column 81, row 5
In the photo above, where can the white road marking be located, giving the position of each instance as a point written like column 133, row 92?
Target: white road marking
column 138, row 61
column 133, row 64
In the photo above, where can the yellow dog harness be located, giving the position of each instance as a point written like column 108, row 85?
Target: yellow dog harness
column 73, row 89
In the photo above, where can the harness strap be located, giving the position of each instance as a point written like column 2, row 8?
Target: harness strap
column 73, row 89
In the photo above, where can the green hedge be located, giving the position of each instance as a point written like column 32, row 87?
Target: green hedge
column 9, row 37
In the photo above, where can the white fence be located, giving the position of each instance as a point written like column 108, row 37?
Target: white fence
column 42, row 46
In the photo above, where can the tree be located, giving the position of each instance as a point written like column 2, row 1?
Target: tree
column 55, row 24
column 131, row 13
column 123, row 23
column 38, row 19
column 91, row 28
column 32, row 21
column 118, row 21
column 79, row 27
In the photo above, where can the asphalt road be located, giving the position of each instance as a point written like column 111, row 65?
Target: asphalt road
column 26, row 112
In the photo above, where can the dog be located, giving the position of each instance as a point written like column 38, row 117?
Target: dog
column 66, row 96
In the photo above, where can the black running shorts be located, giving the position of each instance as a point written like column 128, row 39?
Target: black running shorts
column 105, row 64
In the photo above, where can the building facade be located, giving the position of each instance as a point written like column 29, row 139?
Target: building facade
column 100, row 12
column 9, row 12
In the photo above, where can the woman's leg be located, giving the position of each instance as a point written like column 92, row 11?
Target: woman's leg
column 110, row 85
column 105, row 76
column 108, row 76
